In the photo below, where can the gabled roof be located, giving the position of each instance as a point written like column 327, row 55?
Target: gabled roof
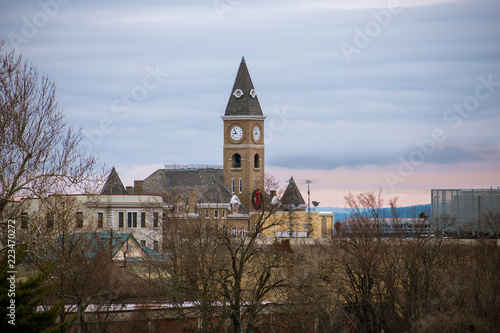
column 215, row 193
column 246, row 105
column 294, row 191
column 207, row 182
column 114, row 184
column 90, row 244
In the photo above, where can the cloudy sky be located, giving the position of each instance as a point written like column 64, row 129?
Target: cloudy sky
column 359, row 95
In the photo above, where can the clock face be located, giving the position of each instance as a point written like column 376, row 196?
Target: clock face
column 256, row 133
column 236, row 133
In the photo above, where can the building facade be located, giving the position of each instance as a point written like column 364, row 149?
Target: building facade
column 465, row 210
column 228, row 195
column 137, row 215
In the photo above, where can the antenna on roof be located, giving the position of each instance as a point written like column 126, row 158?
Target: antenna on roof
column 309, row 181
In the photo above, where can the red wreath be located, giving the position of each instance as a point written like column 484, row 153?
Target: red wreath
column 257, row 199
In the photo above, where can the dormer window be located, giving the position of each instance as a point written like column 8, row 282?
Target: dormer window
column 238, row 93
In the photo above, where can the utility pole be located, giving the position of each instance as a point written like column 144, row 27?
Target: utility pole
column 290, row 206
column 309, row 181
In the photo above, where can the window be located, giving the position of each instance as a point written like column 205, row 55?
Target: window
column 179, row 208
column 120, row 220
column 240, row 185
column 155, row 245
column 256, row 160
column 50, row 221
column 216, row 214
column 207, row 214
column 143, row 243
column 79, row 220
column 224, row 213
column 236, row 161
column 24, row 221
column 132, row 220
column 232, row 185
column 155, row 220
column 143, row 219
column 100, row 220
column 243, row 231
column 235, row 231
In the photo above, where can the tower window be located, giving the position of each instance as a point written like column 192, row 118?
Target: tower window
column 240, row 185
column 256, row 160
column 236, row 161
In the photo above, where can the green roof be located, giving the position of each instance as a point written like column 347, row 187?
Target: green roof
column 91, row 244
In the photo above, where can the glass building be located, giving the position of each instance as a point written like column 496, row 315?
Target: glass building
column 464, row 210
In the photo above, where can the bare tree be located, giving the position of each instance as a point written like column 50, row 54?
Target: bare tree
column 227, row 276
column 360, row 257
column 311, row 301
column 491, row 222
column 40, row 154
column 63, row 238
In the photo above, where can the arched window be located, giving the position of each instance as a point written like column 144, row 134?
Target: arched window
column 235, row 231
column 243, row 231
column 236, row 161
column 256, row 161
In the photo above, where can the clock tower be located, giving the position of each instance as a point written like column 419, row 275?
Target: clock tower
column 244, row 140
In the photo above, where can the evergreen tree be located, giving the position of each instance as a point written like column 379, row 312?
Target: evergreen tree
column 20, row 307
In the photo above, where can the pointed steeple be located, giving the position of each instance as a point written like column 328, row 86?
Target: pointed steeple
column 293, row 192
column 114, row 184
column 243, row 100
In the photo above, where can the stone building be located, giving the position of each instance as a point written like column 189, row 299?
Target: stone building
column 222, row 193
column 114, row 209
column 230, row 194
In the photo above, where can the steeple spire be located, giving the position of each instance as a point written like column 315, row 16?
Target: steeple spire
column 114, row 184
column 243, row 100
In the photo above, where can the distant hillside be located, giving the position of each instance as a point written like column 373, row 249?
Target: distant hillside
column 341, row 214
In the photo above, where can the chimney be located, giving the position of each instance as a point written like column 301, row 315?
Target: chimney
column 192, row 202
column 129, row 189
column 138, row 186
